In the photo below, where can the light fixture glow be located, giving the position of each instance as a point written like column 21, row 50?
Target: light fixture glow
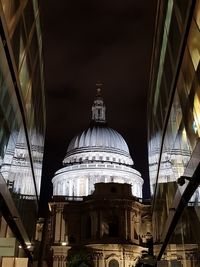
column 28, row 245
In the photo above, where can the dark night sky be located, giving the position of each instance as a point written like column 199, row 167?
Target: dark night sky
column 87, row 41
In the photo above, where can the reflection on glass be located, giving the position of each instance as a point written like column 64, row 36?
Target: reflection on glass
column 174, row 135
column 9, row 9
column 197, row 13
column 20, row 163
column 196, row 113
column 24, row 76
column 37, row 155
column 185, row 239
column 193, row 43
column 16, row 168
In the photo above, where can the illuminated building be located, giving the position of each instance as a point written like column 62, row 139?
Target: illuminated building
column 22, row 127
column 98, row 154
column 96, row 206
column 110, row 226
column 173, row 133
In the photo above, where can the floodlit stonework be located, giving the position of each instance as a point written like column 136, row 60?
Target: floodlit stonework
column 98, row 154
column 110, row 226
column 96, row 207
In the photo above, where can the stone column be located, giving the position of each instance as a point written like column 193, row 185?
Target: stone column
column 95, row 259
column 62, row 261
column 86, row 186
column 66, row 233
column 70, row 188
column 65, row 188
column 125, row 224
column 55, row 261
column 62, row 228
column 57, row 227
column 99, row 224
column 59, row 261
column 78, row 187
column 101, row 260
column 128, row 224
column 59, row 234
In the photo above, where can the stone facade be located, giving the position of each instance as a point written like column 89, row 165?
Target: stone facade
column 111, row 225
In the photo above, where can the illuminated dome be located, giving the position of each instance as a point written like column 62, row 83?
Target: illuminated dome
column 98, row 137
column 98, row 142
column 98, row 154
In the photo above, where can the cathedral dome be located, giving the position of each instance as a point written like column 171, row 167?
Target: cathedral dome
column 98, row 154
column 99, row 136
column 100, row 143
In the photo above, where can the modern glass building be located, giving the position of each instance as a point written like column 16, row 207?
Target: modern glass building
column 22, row 127
column 173, row 133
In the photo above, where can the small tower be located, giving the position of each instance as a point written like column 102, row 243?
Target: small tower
column 98, row 108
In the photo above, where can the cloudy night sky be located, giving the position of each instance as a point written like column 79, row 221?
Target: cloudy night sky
column 88, row 41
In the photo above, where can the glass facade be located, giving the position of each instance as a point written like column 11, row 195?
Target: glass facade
column 173, row 133
column 22, row 122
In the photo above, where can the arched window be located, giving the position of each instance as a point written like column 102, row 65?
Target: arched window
column 113, row 263
column 88, row 227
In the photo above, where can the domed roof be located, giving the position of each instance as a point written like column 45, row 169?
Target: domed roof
column 98, row 154
column 98, row 142
column 99, row 136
